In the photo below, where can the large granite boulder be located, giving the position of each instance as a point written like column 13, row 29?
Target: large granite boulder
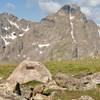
column 29, row 71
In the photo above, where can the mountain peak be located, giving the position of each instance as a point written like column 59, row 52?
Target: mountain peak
column 70, row 8
column 67, row 34
column 8, row 15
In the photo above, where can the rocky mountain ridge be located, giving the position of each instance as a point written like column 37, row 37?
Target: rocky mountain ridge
column 67, row 34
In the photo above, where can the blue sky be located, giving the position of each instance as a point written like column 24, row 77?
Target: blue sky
column 37, row 9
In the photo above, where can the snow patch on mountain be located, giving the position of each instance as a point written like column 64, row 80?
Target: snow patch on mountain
column 43, row 45
column 18, row 55
column 27, row 29
column 99, row 32
column 6, row 43
column 21, row 34
column 6, row 28
column 13, row 23
column 72, row 26
column 11, row 36
column 72, row 17
column 41, row 52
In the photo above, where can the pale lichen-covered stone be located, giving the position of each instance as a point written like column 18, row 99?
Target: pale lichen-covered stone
column 28, row 71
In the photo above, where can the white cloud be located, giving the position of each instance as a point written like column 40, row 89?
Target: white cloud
column 10, row 5
column 96, row 15
column 49, row 6
column 91, row 8
column 86, row 10
column 92, row 3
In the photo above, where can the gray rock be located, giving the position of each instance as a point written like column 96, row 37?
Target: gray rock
column 28, row 71
column 72, row 83
column 85, row 98
column 96, row 78
column 42, row 97
column 6, row 92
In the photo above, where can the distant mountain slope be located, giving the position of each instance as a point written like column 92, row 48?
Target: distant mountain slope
column 67, row 34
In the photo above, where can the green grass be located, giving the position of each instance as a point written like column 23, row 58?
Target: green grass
column 32, row 84
column 68, row 67
column 6, row 70
column 74, row 67
column 69, row 95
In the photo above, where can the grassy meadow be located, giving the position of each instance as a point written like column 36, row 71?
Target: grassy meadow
column 74, row 67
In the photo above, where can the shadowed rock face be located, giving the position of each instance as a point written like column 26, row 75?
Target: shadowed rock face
column 73, row 8
column 67, row 34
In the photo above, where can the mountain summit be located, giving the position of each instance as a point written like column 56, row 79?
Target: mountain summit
column 67, row 34
column 70, row 8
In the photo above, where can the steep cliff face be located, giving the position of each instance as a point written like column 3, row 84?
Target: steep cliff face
column 67, row 34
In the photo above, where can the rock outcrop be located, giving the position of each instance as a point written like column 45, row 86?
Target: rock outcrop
column 28, row 71
column 72, row 83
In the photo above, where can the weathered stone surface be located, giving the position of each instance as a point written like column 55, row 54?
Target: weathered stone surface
column 29, row 71
column 6, row 92
column 72, row 83
column 65, row 80
column 53, row 86
column 42, row 97
column 85, row 98
column 96, row 78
